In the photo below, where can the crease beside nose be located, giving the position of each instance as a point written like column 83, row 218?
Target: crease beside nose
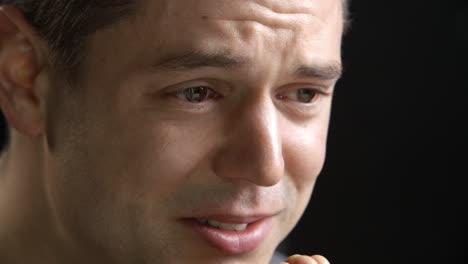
column 253, row 151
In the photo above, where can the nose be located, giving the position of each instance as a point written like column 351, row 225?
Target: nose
column 252, row 150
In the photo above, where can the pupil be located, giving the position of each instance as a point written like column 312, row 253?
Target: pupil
column 196, row 94
column 306, row 95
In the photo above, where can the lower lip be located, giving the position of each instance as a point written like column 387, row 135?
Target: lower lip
column 233, row 242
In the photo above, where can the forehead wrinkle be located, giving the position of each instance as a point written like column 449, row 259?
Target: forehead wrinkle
column 266, row 16
column 286, row 7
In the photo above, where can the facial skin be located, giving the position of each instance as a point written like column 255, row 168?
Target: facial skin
column 127, row 157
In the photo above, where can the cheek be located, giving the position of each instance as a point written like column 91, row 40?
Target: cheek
column 304, row 154
column 117, row 168
column 166, row 155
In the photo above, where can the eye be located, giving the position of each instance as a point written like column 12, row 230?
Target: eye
column 302, row 95
column 196, row 94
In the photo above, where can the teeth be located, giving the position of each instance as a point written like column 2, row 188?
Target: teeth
column 223, row 226
column 214, row 223
column 202, row 221
column 233, row 227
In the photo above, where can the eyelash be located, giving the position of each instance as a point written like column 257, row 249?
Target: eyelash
column 208, row 93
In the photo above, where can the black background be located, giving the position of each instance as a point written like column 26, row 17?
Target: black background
column 390, row 191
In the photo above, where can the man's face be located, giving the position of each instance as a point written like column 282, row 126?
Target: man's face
column 195, row 110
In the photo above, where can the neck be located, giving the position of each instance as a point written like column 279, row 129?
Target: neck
column 27, row 226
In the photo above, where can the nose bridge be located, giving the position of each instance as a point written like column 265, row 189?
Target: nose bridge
column 253, row 150
column 266, row 143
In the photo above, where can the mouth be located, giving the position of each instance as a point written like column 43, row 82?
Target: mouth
column 231, row 234
column 223, row 226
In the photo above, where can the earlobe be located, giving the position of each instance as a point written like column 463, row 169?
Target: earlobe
column 18, row 71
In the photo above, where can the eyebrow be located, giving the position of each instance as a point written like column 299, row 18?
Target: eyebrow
column 325, row 71
column 199, row 59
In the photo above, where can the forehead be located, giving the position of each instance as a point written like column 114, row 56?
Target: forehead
column 256, row 10
column 269, row 31
column 226, row 22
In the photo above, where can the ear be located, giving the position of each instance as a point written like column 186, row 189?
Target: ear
column 20, row 60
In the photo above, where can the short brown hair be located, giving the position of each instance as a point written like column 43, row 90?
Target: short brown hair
column 65, row 25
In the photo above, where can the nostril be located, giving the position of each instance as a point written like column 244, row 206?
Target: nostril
column 271, row 172
column 239, row 163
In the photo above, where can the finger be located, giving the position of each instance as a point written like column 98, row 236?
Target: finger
column 301, row 259
column 320, row 259
column 292, row 257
